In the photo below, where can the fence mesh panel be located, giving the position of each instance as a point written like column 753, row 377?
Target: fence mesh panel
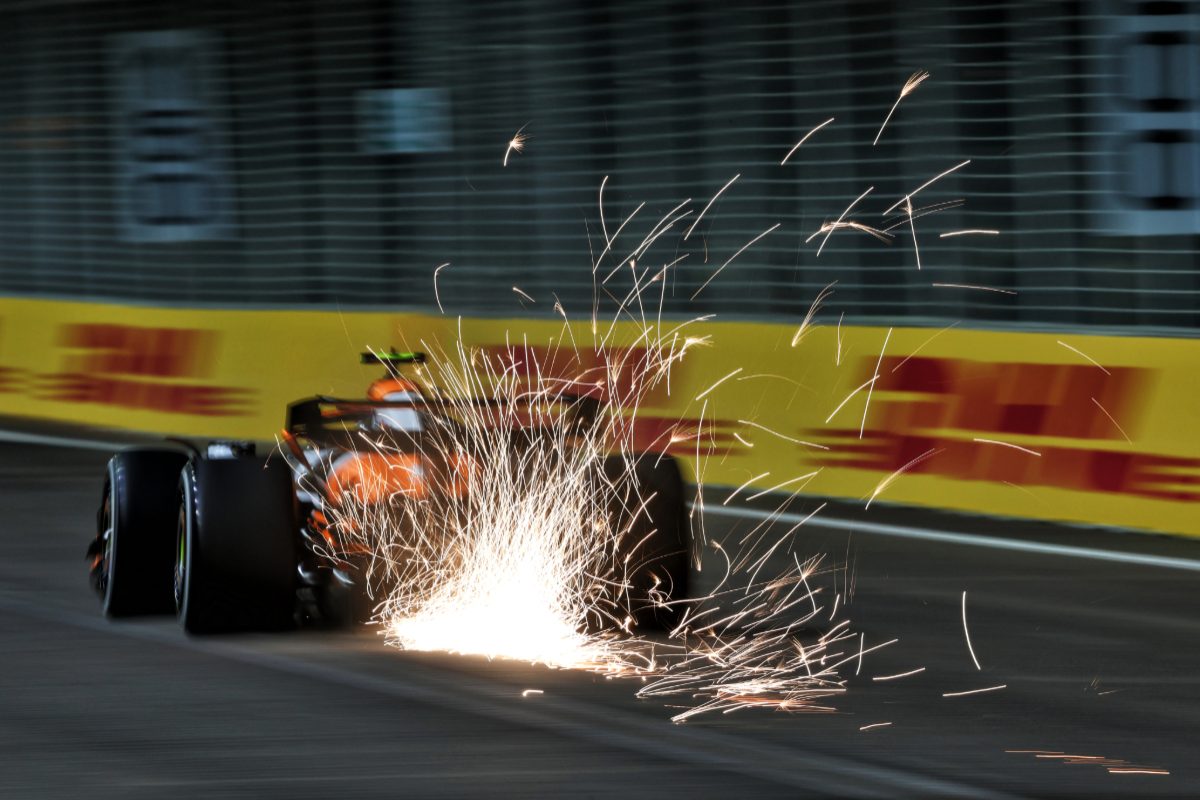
column 309, row 153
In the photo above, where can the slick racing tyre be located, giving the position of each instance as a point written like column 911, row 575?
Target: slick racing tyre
column 133, row 550
column 235, row 565
column 650, row 510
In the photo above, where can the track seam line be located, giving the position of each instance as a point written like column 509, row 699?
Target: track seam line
column 798, row 770
column 971, row 540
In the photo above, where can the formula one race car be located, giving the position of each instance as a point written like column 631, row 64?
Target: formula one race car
column 233, row 541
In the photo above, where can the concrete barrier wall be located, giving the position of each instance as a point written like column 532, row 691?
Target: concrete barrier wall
column 1092, row 429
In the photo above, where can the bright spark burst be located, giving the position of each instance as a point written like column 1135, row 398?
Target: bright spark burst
column 910, row 86
column 528, row 561
column 830, row 228
column 806, row 323
column 516, row 144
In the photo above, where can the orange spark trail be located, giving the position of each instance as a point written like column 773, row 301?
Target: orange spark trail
column 1007, row 444
column 709, row 205
column 910, row 86
column 972, row 286
column 1079, row 352
column 967, row 633
column 803, row 140
column 732, row 257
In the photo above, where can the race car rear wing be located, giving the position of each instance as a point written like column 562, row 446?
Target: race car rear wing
column 393, row 357
column 335, row 421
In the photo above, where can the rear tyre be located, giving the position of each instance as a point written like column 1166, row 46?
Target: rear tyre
column 235, row 566
column 136, row 521
column 656, row 547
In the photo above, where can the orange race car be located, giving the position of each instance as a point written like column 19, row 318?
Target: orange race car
column 230, row 541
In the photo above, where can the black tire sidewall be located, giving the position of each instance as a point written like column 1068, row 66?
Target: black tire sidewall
column 140, row 492
column 239, row 560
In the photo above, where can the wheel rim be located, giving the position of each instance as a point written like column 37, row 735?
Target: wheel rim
column 109, row 561
column 180, row 559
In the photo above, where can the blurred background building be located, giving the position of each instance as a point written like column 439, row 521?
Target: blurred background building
column 314, row 153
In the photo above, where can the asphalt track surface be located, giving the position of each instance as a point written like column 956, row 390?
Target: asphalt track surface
column 1099, row 657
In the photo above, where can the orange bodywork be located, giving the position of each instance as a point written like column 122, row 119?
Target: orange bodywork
column 388, row 388
column 374, row 477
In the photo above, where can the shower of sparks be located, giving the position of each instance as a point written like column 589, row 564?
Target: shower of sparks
column 830, row 228
column 975, row 691
column 1008, row 444
column 806, row 324
column 535, row 549
column 708, row 205
column 516, row 144
column 527, row 559
column 967, row 632
column 803, row 140
column 437, row 296
column 1084, row 355
column 732, row 257
column 908, row 197
column 871, row 388
column 899, row 675
column 972, row 286
column 968, row 232
column 910, row 86
column 1112, row 420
